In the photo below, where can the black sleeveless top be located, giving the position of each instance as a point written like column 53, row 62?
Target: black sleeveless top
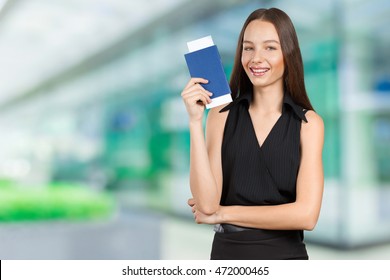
column 266, row 174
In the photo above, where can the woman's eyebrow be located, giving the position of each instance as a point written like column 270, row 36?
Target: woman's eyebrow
column 271, row 41
column 266, row 41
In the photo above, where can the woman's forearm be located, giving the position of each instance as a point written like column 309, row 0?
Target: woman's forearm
column 291, row 216
column 202, row 181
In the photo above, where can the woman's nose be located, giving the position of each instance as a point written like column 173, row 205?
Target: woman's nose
column 258, row 57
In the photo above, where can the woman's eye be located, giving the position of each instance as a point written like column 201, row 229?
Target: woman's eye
column 248, row 48
column 270, row 48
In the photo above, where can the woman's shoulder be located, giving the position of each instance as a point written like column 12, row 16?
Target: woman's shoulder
column 215, row 114
column 216, row 119
column 313, row 119
column 314, row 127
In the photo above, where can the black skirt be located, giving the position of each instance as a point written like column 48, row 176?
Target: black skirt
column 258, row 244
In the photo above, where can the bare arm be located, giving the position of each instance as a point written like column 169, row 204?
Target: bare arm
column 205, row 152
column 301, row 214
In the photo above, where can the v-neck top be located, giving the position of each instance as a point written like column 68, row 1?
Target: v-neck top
column 266, row 174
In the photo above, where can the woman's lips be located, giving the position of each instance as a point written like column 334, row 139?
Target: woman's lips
column 258, row 71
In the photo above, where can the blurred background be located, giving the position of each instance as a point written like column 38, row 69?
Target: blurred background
column 94, row 143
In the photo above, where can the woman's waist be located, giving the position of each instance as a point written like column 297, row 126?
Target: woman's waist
column 257, row 233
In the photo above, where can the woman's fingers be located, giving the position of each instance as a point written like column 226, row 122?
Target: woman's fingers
column 191, row 202
column 195, row 98
column 192, row 95
column 195, row 84
column 195, row 88
column 195, row 81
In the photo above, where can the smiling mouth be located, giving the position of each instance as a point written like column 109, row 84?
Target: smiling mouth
column 258, row 71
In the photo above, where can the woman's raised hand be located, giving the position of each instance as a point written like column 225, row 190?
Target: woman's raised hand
column 195, row 98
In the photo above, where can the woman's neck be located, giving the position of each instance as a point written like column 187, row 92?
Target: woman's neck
column 267, row 100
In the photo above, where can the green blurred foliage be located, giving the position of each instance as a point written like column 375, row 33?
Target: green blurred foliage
column 58, row 201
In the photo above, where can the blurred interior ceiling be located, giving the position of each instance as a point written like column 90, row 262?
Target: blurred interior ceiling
column 44, row 43
column 39, row 39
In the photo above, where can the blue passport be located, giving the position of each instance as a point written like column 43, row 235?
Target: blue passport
column 204, row 61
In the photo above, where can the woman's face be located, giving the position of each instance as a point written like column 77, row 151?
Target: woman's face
column 262, row 56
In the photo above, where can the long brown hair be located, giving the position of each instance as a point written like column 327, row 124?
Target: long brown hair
column 293, row 75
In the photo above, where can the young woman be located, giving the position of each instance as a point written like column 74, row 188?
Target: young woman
column 257, row 173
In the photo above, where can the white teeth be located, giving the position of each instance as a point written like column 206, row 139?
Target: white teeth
column 259, row 70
